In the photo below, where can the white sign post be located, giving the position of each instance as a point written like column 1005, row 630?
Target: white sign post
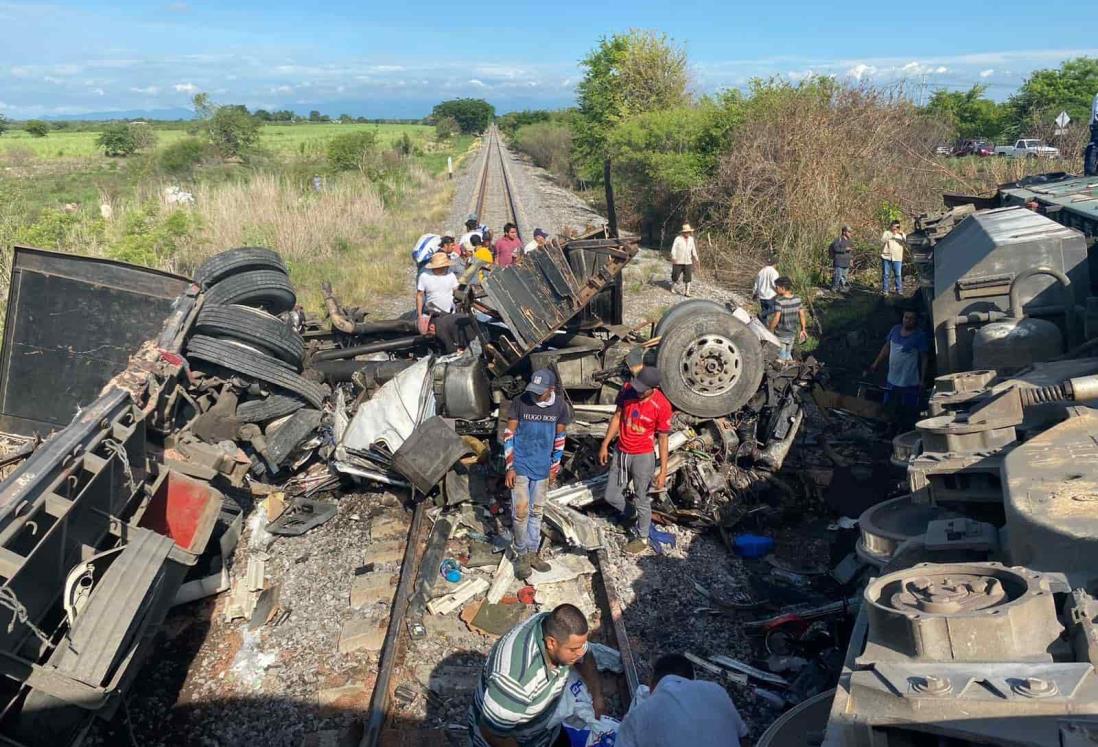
column 1062, row 122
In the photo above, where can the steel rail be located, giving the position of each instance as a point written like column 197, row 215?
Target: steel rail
column 493, row 152
column 409, row 567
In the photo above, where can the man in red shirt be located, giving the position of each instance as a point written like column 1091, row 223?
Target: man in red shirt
column 643, row 414
column 508, row 245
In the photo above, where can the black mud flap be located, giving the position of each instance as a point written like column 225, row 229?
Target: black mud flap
column 72, row 324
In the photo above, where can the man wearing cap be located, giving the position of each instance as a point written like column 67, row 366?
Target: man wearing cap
column 892, row 257
column 538, row 242
column 684, row 253
column 533, row 445
column 470, row 229
column 840, row 251
column 643, row 414
column 434, row 291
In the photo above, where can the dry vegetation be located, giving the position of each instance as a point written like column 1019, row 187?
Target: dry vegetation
column 805, row 162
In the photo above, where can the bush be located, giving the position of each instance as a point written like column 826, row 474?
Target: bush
column 446, row 128
column 150, row 237
column 117, row 140
column 549, row 145
column 352, row 151
column 232, row 131
column 183, row 155
column 36, row 128
column 144, row 136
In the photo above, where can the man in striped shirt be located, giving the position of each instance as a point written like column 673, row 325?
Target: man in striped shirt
column 787, row 318
column 524, row 677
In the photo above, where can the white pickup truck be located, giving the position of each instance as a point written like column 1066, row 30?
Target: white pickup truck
column 1031, row 147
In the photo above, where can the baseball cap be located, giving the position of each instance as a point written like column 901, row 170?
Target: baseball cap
column 471, row 218
column 648, row 378
column 541, row 380
column 539, row 232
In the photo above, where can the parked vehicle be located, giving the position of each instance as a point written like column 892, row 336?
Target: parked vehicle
column 1028, row 148
column 974, row 147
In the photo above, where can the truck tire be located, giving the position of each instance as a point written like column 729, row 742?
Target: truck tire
column 236, row 357
column 235, row 261
column 267, row 409
column 255, row 327
column 267, row 289
column 710, row 364
column 684, row 310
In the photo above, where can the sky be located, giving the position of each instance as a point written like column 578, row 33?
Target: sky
column 399, row 58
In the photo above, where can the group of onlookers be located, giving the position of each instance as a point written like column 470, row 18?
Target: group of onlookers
column 442, row 259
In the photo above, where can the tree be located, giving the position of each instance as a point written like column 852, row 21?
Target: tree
column 1046, row 93
column 117, row 140
column 346, row 119
column 626, row 75
column 3, row 124
column 230, row 129
column 969, row 113
column 36, row 128
column 471, row 115
column 314, row 116
column 262, row 115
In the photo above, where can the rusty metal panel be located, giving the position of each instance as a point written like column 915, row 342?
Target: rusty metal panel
column 539, row 295
column 72, row 324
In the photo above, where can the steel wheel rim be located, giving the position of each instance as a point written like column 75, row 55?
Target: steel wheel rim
column 711, row 365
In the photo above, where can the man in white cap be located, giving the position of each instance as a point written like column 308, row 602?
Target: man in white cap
column 533, row 445
column 684, row 253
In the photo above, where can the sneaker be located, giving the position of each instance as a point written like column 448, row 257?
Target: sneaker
column 636, row 546
column 522, row 567
column 537, row 563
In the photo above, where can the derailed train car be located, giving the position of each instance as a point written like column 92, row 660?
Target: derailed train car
column 979, row 627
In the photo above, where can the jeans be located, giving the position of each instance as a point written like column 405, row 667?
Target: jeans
column 639, row 468
column 527, row 502
column 785, row 349
column 895, row 268
column 840, row 280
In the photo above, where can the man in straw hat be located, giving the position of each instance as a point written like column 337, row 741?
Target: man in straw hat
column 684, row 253
column 435, row 290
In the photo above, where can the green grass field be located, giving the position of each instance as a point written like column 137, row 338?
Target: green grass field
column 303, row 139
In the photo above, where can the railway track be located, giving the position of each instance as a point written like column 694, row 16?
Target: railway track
column 495, row 202
column 409, row 643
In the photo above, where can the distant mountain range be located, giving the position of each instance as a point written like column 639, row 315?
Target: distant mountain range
column 178, row 113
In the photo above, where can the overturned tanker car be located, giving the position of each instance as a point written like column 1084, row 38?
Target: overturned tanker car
column 979, row 627
column 128, row 507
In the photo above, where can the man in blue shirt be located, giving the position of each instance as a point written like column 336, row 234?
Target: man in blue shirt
column 533, row 445
column 905, row 349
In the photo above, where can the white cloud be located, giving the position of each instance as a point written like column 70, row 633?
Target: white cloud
column 987, row 73
column 186, row 87
column 477, row 83
column 861, row 70
column 98, row 92
column 282, row 89
column 52, row 80
column 147, row 90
